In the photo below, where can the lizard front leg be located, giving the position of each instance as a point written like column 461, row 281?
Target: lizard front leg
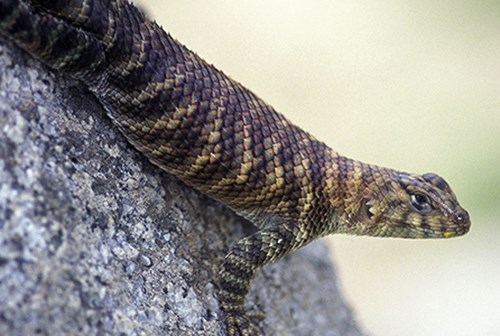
column 242, row 261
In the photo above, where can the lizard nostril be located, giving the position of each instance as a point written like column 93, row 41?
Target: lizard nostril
column 463, row 217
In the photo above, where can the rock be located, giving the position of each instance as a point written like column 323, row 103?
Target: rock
column 95, row 240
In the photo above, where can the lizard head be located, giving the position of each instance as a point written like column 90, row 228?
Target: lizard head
column 395, row 204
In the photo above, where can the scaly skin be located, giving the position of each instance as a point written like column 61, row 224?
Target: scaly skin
column 194, row 122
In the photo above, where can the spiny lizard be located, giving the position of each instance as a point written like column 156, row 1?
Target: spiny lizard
column 216, row 136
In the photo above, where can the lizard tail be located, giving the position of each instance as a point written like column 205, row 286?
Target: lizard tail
column 54, row 42
column 116, row 24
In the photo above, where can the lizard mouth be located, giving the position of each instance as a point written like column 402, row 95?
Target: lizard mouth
column 454, row 224
column 448, row 233
column 460, row 225
column 457, row 231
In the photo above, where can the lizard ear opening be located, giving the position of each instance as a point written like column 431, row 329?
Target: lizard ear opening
column 368, row 211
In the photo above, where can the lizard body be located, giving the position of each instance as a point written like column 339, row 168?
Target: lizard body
column 216, row 136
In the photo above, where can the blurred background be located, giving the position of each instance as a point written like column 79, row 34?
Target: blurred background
column 413, row 85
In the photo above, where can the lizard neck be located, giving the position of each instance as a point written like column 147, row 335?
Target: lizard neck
column 346, row 184
column 360, row 193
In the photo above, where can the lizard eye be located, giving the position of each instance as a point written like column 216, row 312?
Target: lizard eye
column 421, row 203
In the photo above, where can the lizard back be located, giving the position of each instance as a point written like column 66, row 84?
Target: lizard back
column 183, row 114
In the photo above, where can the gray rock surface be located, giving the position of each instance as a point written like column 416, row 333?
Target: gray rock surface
column 95, row 240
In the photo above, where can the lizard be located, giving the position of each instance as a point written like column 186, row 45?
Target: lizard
column 194, row 122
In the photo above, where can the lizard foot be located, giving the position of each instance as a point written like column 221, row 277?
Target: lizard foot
column 240, row 323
